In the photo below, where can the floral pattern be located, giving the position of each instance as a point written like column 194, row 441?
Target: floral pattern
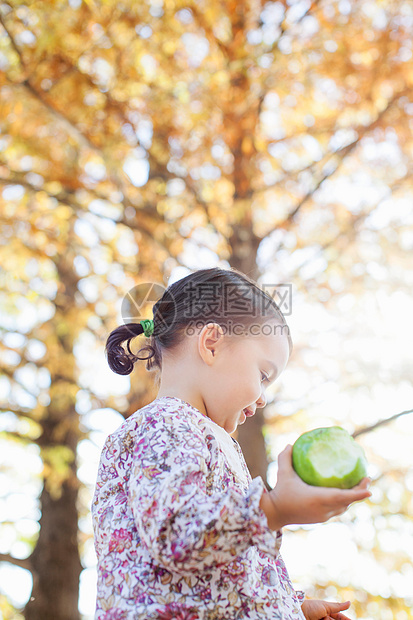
column 179, row 533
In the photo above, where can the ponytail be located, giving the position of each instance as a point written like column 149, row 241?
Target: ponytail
column 119, row 360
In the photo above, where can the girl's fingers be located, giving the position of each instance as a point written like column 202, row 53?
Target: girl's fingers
column 336, row 607
column 363, row 484
column 349, row 496
column 344, row 497
column 285, row 459
column 284, row 456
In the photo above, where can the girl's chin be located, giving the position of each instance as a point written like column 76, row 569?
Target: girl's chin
column 242, row 418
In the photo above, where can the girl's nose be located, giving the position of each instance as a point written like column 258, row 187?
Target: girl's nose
column 261, row 401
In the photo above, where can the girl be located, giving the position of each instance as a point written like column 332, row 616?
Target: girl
column 182, row 532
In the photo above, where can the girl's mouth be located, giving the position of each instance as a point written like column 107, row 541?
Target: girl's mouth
column 248, row 412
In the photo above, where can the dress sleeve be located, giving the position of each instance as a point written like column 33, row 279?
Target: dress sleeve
column 284, row 577
column 300, row 595
column 185, row 528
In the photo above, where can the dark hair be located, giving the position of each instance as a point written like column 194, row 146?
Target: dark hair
column 223, row 296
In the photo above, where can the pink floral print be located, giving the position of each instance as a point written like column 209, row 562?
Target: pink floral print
column 178, row 534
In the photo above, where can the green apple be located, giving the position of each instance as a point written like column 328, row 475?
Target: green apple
column 329, row 457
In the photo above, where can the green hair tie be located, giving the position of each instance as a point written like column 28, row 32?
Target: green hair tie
column 147, row 325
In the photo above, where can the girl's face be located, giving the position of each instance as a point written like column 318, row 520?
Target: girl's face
column 238, row 372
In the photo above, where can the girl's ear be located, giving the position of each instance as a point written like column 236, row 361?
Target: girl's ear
column 210, row 337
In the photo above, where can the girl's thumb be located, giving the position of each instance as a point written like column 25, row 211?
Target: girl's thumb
column 339, row 606
column 284, row 458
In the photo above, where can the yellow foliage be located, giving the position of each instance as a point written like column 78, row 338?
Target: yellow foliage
column 238, row 126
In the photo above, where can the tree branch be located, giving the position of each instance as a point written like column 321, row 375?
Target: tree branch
column 23, row 563
column 367, row 429
column 18, row 436
column 209, row 34
column 118, row 178
column 11, row 409
column 67, row 198
column 10, row 374
column 355, row 222
column 343, row 152
column 13, row 43
column 286, row 30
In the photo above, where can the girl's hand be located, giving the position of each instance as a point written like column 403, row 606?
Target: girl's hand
column 318, row 610
column 293, row 501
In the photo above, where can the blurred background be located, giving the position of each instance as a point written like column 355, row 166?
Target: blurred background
column 141, row 140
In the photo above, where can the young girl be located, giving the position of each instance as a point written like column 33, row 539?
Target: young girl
column 182, row 532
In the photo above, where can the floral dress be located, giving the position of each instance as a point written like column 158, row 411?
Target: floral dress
column 179, row 533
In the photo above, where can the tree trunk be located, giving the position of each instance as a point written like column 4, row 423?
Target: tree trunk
column 244, row 246
column 252, row 442
column 55, row 560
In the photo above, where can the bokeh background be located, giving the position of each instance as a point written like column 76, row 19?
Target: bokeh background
column 141, row 140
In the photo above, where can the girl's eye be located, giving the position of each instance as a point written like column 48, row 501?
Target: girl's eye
column 265, row 377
